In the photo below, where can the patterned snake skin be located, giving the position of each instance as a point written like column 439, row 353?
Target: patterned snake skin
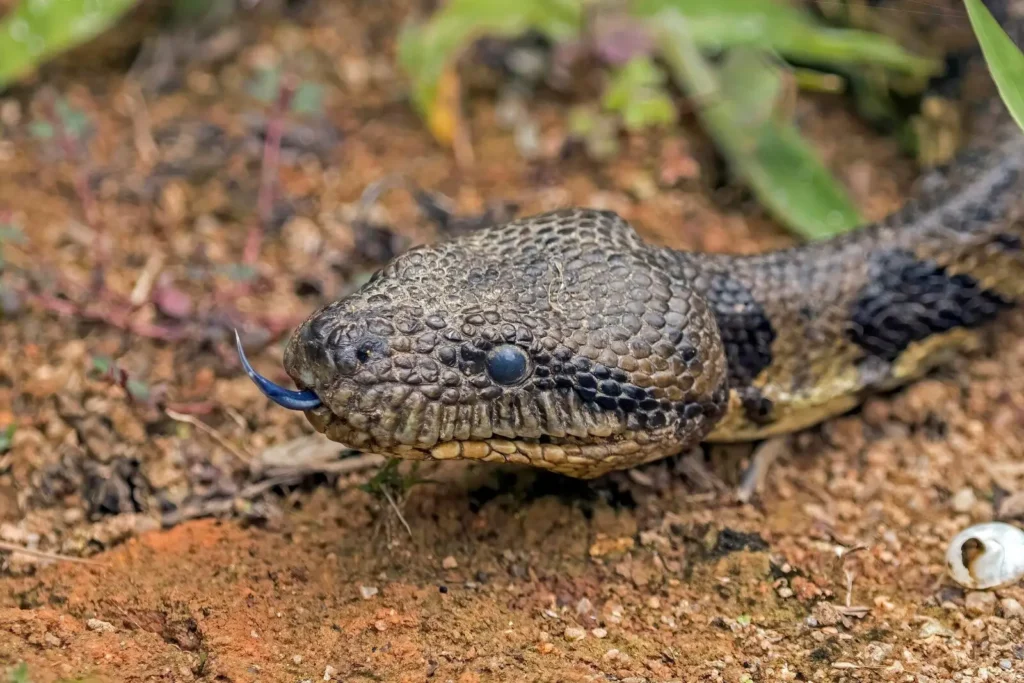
column 564, row 341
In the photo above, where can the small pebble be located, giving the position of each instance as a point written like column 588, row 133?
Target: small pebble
column 449, row 562
column 826, row 614
column 329, row 672
column 297, row 659
column 1012, row 506
column 584, row 606
column 785, row 592
column 367, row 591
column 978, row 603
column 545, row 648
column 1005, row 664
column 1010, row 609
column 574, row 633
column 963, row 500
column 100, row 626
column 599, row 633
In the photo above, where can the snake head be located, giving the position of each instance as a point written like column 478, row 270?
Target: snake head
column 550, row 341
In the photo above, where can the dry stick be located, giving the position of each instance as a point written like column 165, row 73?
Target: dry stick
column 398, row 512
column 268, row 175
column 203, row 427
column 43, row 555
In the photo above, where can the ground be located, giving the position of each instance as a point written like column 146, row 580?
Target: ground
column 194, row 549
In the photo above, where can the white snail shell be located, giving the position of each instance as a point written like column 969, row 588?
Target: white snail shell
column 986, row 555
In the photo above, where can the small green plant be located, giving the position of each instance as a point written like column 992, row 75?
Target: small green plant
column 7, row 437
column 390, row 485
column 740, row 99
column 19, row 674
column 10, row 233
column 637, row 93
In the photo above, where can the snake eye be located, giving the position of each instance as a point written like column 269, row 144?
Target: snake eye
column 506, row 364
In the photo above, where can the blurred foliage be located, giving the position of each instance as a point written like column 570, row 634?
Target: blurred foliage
column 740, row 108
column 425, row 51
column 1004, row 58
column 37, row 30
column 7, row 437
column 745, row 101
column 266, row 88
column 71, row 122
column 636, row 92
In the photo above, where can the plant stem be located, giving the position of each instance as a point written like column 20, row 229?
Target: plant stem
column 269, row 171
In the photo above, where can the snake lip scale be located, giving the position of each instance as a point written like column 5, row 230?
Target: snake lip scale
column 564, row 341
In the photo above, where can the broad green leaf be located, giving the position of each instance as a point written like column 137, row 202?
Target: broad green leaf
column 37, row 30
column 782, row 27
column 767, row 153
column 1005, row 60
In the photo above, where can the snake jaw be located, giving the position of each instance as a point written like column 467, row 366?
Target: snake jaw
column 305, row 399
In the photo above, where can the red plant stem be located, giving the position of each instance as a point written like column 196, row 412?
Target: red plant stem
column 71, row 151
column 116, row 319
column 269, row 169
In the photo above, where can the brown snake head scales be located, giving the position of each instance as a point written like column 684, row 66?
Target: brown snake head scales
column 557, row 340
column 566, row 342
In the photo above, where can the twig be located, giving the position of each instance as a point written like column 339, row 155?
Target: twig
column 43, row 555
column 269, row 169
column 398, row 512
column 143, row 288
column 213, row 433
column 691, row 466
column 760, row 464
column 356, row 463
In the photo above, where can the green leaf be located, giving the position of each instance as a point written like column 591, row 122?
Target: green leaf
column 75, row 121
column 102, row 364
column 42, row 130
column 636, row 92
column 238, row 272
column 7, row 437
column 768, row 153
column 19, row 674
column 138, row 389
column 264, row 87
column 308, row 99
column 785, row 28
column 37, row 30
column 11, row 232
column 1005, row 61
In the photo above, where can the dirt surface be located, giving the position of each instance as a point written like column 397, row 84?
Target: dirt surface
column 210, row 555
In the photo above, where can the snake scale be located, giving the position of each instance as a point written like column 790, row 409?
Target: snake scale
column 566, row 342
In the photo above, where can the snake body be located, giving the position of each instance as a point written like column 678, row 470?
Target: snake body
column 565, row 341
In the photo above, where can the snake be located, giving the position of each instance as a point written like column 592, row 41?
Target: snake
column 565, row 341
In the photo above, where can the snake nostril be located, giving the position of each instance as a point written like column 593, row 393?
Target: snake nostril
column 367, row 348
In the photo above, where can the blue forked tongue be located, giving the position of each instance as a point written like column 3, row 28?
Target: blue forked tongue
column 287, row 398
